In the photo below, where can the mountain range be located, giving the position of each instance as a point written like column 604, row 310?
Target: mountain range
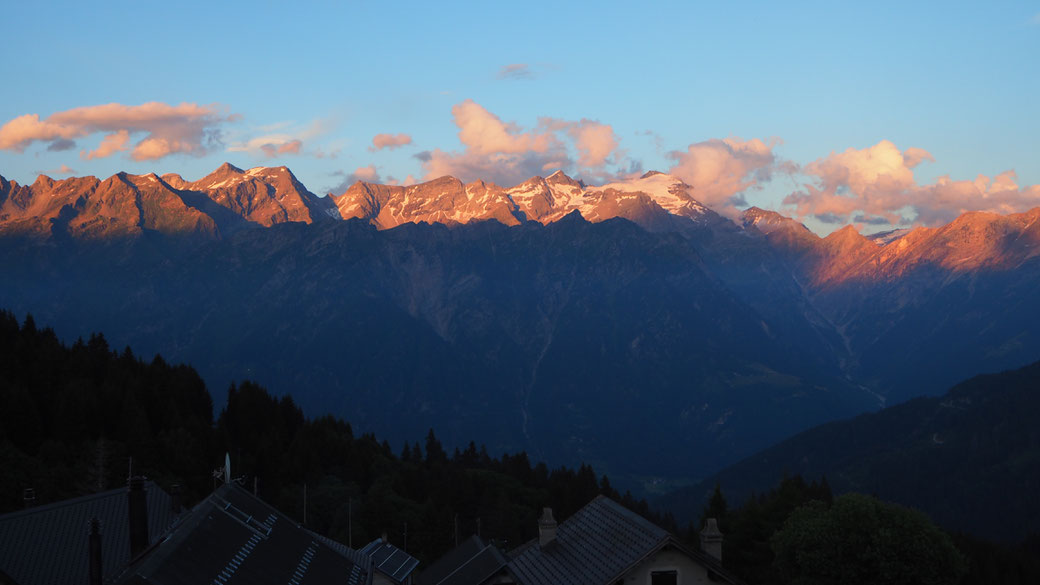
column 627, row 325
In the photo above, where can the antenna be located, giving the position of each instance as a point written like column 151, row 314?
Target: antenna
column 227, row 467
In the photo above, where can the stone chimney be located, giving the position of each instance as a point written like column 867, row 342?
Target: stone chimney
column 711, row 539
column 137, row 500
column 29, row 497
column 546, row 528
column 96, row 572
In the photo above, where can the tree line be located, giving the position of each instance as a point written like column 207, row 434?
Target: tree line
column 79, row 419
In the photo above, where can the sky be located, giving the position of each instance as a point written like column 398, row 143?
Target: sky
column 880, row 114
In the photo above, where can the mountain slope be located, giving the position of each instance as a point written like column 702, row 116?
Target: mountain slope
column 86, row 208
column 547, row 338
column 970, row 458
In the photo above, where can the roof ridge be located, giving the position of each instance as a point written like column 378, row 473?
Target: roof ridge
column 468, row 561
column 71, row 502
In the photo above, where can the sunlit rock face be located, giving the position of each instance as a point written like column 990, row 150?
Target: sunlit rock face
column 651, row 201
column 131, row 205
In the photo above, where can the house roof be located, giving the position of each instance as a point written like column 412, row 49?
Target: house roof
column 355, row 556
column 390, row 560
column 598, row 544
column 233, row 537
column 470, row 563
column 48, row 544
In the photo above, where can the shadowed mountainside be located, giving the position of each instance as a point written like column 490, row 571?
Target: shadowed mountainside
column 968, row 458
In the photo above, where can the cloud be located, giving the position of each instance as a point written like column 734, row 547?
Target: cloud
column 269, row 146
column 879, row 182
column 290, row 142
column 110, row 144
column 391, row 141
column 943, row 201
column 721, row 170
column 368, row 174
column 185, row 128
column 516, row 71
column 60, row 145
column 290, row 147
column 62, row 170
column 870, row 220
column 507, row 154
column 595, row 142
column 484, row 133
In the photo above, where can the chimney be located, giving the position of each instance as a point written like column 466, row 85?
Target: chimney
column 29, row 497
column 711, row 539
column 175, row 498
column 546, row 528
column 95, row 552
column 138, row 502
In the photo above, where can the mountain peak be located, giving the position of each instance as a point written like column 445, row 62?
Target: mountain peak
column 846, row 234
column 227, row 168
column 649, row 174
column 561, row 178
column 755, row 214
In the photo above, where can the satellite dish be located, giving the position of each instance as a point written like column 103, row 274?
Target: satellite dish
column 227, row 467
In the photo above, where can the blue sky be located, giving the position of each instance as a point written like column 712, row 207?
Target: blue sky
column 960, row 81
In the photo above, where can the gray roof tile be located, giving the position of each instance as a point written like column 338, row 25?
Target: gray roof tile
column 48, row 545
column 233, row 537
column 390, row 560
column 595, row 545
column 470, row 563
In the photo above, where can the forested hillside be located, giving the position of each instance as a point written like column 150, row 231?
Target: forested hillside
column 73, row 420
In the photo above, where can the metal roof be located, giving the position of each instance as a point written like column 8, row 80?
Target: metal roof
column 233, row 537
column 598, row 545
column 390, row 560
column 470, row 563
column 48, row 544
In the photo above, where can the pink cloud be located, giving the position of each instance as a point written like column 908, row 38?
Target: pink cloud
column 391, row 141
column 273, row 150
column 879, row 182
column 270, row 146
column 368, row 174
column 484, row 133
column 507, row 154
column 110, row 144
column 184, row 128
column 62, row 170
column 595, row 142
column 720, row 170
column 945, row 199
column 289, row 139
